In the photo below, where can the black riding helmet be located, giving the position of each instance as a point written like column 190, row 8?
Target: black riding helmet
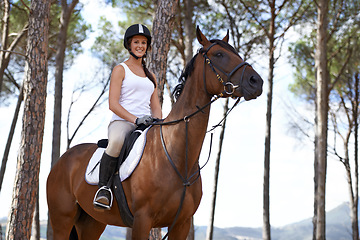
column 136, row 29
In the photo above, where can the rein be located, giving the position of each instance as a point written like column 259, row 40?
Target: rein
column 229, row 89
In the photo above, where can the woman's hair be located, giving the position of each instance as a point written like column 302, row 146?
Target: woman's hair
column 147, row 72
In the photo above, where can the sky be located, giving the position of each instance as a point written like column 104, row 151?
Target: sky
column 240, row 187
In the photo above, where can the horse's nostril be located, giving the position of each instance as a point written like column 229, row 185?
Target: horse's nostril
column 253, row 80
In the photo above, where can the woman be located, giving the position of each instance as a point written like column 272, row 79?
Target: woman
column 133, row 100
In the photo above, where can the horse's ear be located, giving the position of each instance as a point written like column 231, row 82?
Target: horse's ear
column 201, row 37
column 226, row 38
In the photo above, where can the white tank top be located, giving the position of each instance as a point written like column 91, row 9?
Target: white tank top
column 135, row 94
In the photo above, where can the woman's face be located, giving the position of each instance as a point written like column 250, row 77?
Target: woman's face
column 138, row 45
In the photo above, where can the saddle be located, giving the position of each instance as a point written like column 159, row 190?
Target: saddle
column 129, row 158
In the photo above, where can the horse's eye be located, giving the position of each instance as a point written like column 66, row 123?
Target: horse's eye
column 219, row 54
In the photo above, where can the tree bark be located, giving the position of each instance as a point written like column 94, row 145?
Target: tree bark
column 28, row 164
column 161, row 33
column 322, row 101
column 162, row 27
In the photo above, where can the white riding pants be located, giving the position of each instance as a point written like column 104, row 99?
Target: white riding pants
column 117, row 131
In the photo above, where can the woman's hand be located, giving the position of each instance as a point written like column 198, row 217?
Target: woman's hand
column 146, row 120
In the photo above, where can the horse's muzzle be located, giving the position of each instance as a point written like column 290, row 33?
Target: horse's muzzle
column 252, row 85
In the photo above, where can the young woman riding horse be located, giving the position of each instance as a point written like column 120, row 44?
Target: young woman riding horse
column 165, row 188
column 133, row 100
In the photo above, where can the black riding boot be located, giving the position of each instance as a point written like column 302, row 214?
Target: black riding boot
column 103, row 197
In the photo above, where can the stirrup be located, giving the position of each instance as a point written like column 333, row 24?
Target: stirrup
column 101, row 205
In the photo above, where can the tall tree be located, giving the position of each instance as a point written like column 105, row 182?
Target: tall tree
column 338, row 40
column 76, row 34
column 27, row 174
column 348, row 107
column 163, row 25
column 322, row 102
column 66, row 12
column 276, row 19
column 16, row 26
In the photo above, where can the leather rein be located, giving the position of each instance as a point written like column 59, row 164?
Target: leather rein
column 229, row 89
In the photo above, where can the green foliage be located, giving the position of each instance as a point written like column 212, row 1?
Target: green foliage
column 343, row 43
column 108, row 46
column 77, row 33
column 138, row 11
column 302, row 59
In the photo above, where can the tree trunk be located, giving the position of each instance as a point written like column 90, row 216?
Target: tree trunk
column 4, row 39
column 59, row 69
column 322, row 114
column 210, row 229
column 28, row 165
column 191, row 235
column 355, row 225
column 128, row 234
column 162, row 27
column 189, row 29
column 266, row 234
column 36, row 220
column 314, row 220
column 161, row 32
column 11, row 135
column 66, row 11
column 355, row 186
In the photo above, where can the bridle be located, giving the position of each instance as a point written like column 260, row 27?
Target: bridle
column 229, row 89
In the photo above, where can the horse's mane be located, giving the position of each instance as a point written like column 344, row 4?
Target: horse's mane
column 190, row 67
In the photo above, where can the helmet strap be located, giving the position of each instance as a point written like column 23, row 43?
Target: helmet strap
column 133, row 54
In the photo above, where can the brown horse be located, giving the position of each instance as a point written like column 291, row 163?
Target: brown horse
column 155, row 190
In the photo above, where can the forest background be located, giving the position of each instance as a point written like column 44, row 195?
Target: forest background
column 240, row 187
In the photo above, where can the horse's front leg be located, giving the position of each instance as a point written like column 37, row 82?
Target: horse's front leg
column 141, row 226
column 180, row 230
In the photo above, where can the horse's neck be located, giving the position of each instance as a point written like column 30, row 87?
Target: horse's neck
column 192, row 98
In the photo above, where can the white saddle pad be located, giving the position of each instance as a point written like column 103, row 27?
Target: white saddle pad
column 126, row 168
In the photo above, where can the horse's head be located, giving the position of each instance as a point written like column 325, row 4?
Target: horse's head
column 226, row 73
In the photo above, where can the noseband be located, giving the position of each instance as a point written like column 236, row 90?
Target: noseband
column 229, row 87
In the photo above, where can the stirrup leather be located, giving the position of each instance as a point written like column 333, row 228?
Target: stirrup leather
column 101, row 205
